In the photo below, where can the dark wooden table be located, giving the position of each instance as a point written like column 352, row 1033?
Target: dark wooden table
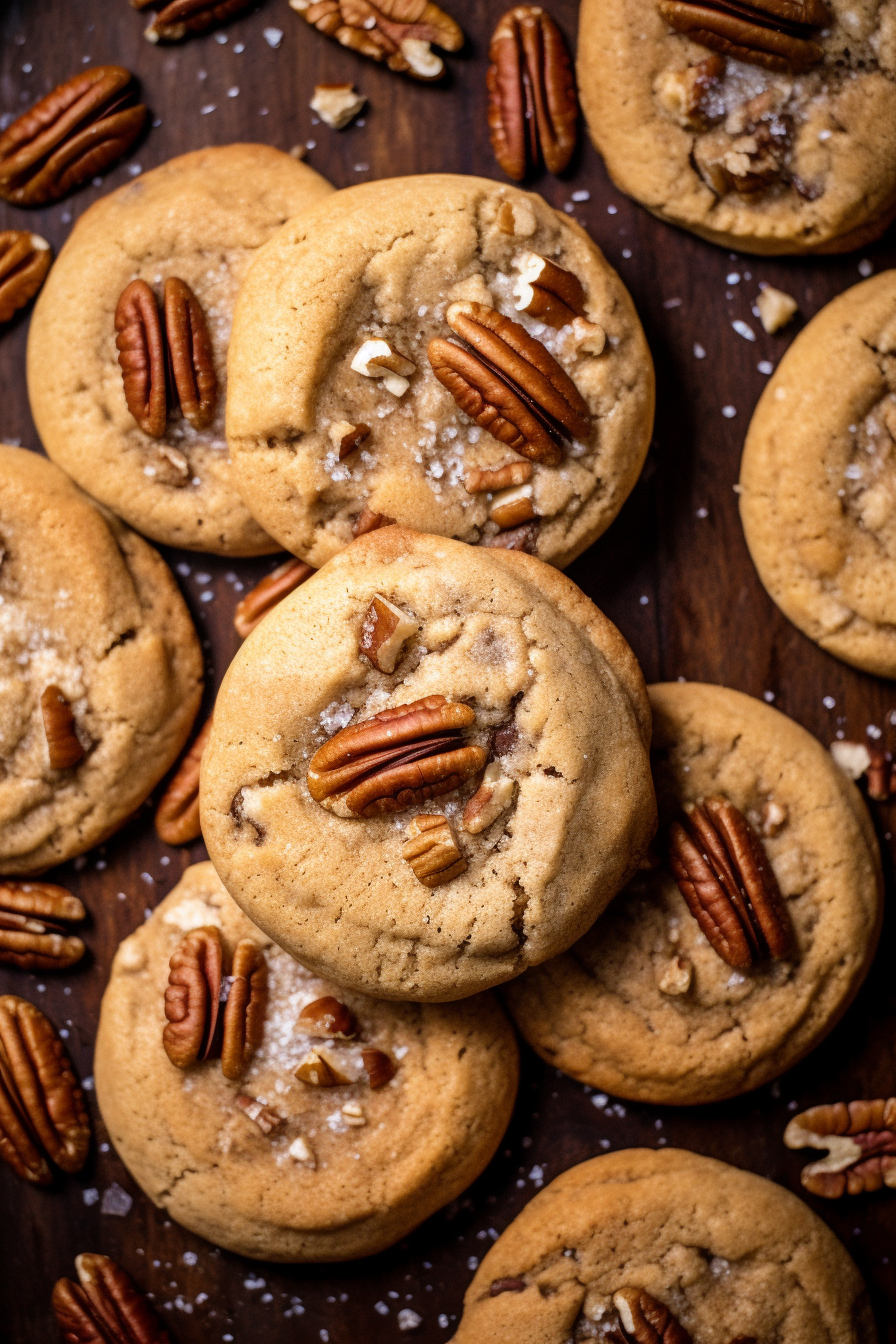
column 673, row 572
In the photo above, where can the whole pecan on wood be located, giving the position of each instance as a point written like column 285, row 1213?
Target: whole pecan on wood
column 860, row 1139
column 42, row 1114
column 725, row 876
column 77, row 131
column 63, row 746
column 774, row 33
column 282, row 581
column 177, row 815
column 25, row 259
column 33, row 916
column 193, row 996
column 645, row 1320
column 532, row 103
column 245, row 1008
column 509, row 383
column 105, row 1306
column 157, row 364
column 189, row 18
column 400, row 32
column 397, row 759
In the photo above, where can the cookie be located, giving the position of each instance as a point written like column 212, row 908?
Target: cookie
column 818, row 479
column 731, row 1256
column 764, row 134
column 645, row 1006
column 326, row 441
column 199, row 218
column 381, row 855
column 281, row 1167
column 100, row 668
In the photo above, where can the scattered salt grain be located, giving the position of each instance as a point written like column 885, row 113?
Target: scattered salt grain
column 381, row 1308
column 273, row 36
column 409, row 1320
column 866, row 267
column 744, row 330
column 190, row 1257
column 209, row 107
column 116, row 1201
column 699, row 352
column 90, row 1196
column 729, row 412
column 765, row 366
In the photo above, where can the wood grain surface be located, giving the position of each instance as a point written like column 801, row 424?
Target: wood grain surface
column 673, row 572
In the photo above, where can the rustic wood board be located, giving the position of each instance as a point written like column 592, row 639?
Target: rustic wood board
column 673, row 572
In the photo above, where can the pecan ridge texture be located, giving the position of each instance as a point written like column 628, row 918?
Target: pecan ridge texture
column 25, row 259
column 104, row 1306
column 646, row 1320
column 189, row 18
column 860, row 1138
column 192, row 997
column 400, row 33
column 162, row 365
column 177, row 815
column 533, row 108
column 33, row 919
column 267, row 593
column 776, row 34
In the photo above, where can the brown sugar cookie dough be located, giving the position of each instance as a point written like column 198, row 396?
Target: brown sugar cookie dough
column 729, row 1255
column 327, row 439
column 644, row 1006
column 767, row 136
column 100, row 668
column 199, row 218
column 483, row 821
column 396, row 1109
column 818, row 479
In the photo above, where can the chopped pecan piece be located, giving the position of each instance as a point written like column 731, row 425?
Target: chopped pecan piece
column 397, row 759
column 494, row 796
column 192, row 997
column 497, row 478
column 78, row 130
column 190, row 353
column 509, row 383
column 533, row 108
column 379, row 1068
column 523, row 538
column 190, row 18
column 727, row 881
column 499, row 1286
column 265, row 1118
column 384, row 633
column 684, row 93
column 646, row 1320
column 319, row 1071
column 510, row 508
column 432, row 851
column 379, row 359
column 245, row 1008
column 141, row 355
column 547, row 291
column 346, row 437
column 25, row 259
column 328, row 1017
column 42, row 1114
column 676, row 976
column 177, row 815
column 268, row 592
column 369, row 520
column 399, row 32
column 861, row 1141
column 774, row 33
column 63, row 746
column 33, row 916
column 105, row 1306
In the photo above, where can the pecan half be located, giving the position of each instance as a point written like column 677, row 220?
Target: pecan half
column 860, row 1139
column 379, row 1068
column 141, row 354
column 63, row 746
column 774, row 33
column 725, row 876
column 42, row 1114
column 384, row 633
column 33, row 916
column 264, row 1117
column 399, row 32
column 177, row 815
column 397, row 759
column 190, row 352
column 268, row 592
column 646, row 1320
column 77, row 131
column 192, row 997
column 190, row 18
column 105, row 1306
column 432, row 851
column 497, row 478
column 547, row 292
column 494, row 796
column 509, row 383
column 328, row 1017
column 245, row 1008
column 369, row 520
column 523, row 538
column 25, row 259
column 532, row 103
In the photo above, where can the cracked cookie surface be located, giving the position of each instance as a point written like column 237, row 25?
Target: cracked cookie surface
column 731, row 1254
column 818, row 479
column 88, row 607
column 200, row 217
column 612, row 1011
column 558, row 701
column 347, row 1170
column 386, row 260
column 766, row 161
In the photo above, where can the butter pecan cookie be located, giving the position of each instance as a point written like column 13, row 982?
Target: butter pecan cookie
column 100, row 668
column 641, row 1245
column 276, row 1114
column 818, row 479
column 766, row 126
column 747, row 934
column 442, row 352
column 428, row 767
column 127, row 351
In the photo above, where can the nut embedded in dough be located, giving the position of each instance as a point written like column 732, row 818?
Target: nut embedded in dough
column 432, row 851
column 384, row 633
